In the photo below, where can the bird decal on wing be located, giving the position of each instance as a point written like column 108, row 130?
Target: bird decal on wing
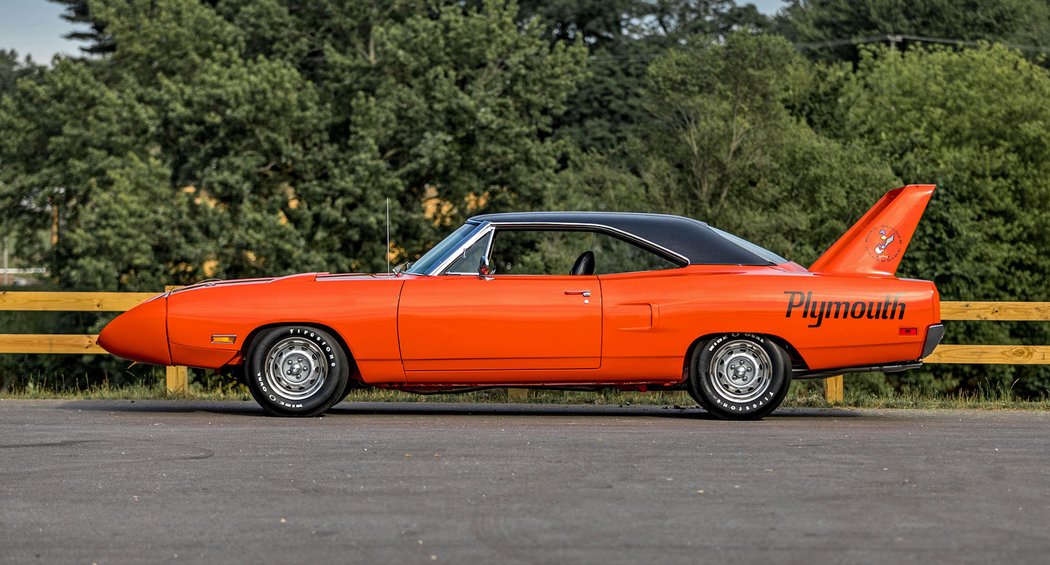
column 886, row 241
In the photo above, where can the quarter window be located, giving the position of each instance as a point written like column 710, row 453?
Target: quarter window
column 468, row 261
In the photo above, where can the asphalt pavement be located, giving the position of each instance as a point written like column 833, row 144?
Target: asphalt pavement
column 213, row 482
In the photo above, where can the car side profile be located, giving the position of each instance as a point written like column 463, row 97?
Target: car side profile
column 569, row 300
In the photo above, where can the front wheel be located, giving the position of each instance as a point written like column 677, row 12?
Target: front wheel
column 739, row 376
column 296, row 370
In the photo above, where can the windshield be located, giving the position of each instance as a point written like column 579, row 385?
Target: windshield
column 439, row 251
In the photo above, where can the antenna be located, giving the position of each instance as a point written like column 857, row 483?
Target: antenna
column 387, row 250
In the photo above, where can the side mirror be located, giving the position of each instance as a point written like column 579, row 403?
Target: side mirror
column 484, row 269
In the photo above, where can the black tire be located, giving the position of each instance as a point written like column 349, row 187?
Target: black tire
column 296, row 370
column 739, row 376
column 349, row 386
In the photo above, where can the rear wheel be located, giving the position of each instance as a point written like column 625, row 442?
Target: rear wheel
column 296, row 370
column 739, row 376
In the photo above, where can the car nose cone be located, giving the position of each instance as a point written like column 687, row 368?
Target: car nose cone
column 140, row 334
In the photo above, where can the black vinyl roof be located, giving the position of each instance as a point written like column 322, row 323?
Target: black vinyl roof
column 694, row 240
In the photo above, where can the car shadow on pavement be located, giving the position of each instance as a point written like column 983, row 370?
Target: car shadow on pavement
column 233, row 408
column 546, row 410
column 251, row 409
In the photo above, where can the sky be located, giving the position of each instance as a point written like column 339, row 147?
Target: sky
column 35, row 27
column 765, row 6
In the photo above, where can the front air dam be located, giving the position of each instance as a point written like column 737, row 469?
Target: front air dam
column 140, row 334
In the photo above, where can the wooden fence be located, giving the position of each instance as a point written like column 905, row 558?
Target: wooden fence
column 176, row 377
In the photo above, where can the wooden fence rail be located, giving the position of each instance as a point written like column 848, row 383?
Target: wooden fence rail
column 176, row 377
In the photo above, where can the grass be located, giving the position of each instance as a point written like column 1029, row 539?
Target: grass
column 34, row 391
column 920, row 401
column 799, row 398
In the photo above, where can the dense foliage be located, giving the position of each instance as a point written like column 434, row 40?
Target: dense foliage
column 232, row 138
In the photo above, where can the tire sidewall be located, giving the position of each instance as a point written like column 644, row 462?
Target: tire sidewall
column 271, row 399
column 722, row 407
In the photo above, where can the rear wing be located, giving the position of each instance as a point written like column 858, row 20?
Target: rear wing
column 875, row 244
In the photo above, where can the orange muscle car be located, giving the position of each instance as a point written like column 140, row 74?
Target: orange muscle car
column 569, row 300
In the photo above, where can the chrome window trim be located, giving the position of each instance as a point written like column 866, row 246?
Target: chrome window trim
column 445, row 263
column 464, row 248
column 486, row 227
column 624, row 235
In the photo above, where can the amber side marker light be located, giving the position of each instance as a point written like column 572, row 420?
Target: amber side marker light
column 224, row 339
column 909, row 331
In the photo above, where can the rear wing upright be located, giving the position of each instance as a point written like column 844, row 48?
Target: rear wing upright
column 875, row 244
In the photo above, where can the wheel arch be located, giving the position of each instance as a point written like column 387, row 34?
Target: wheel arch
column 797, row 362
column 355, row 373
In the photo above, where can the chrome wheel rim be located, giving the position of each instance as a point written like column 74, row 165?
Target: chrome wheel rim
column 296, row 368
column 740, row 371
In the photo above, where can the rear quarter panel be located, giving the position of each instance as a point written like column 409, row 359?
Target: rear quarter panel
column 831, row 321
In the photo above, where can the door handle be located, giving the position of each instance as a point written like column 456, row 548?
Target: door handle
column 584, row 293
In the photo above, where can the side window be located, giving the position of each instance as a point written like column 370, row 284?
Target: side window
column 554, row 252
column 534, row 252
column 468, row 262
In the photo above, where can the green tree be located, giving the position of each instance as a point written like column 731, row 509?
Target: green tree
column 975, row 123
column 266, row 161
column 724, row 147
column 445, row 107
column 94, row 38
column 1024, row 22
column 457, row 106
column 239, row 139
column 623, row 37
column 12, row 69
column 68, row 138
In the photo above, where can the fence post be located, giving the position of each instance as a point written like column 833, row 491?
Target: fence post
column 176, row 379
column 833, row 389
column 518, row 394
